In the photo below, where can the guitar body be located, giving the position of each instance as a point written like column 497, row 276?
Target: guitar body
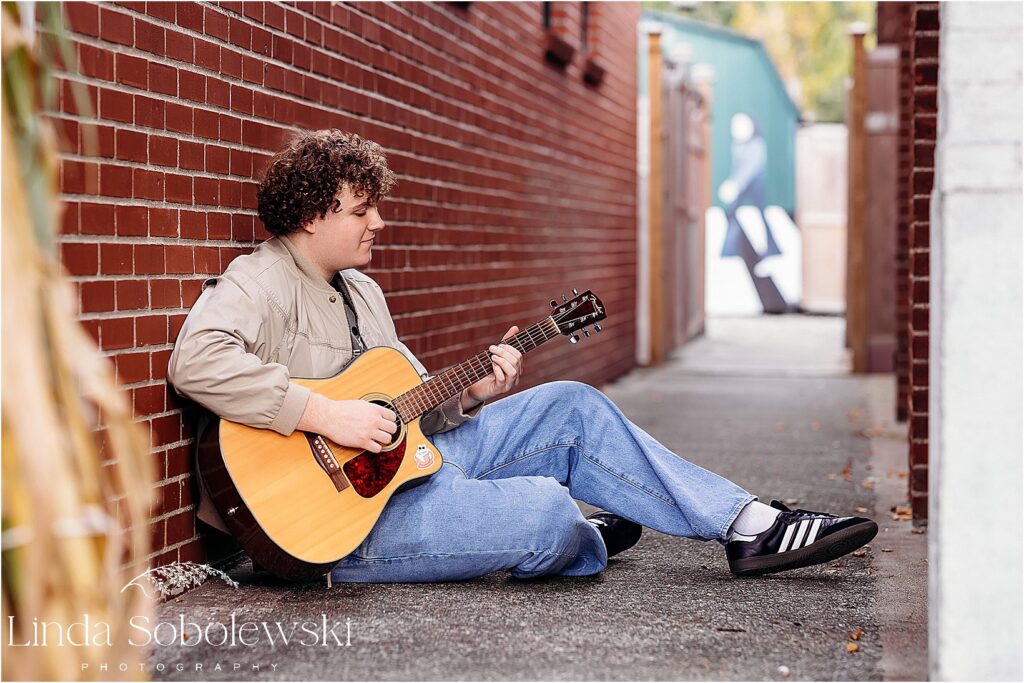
column 299, row 504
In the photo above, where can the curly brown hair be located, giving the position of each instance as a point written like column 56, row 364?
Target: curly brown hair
column 304, row 178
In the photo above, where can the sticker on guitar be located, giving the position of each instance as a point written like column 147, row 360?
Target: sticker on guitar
column 424, row 457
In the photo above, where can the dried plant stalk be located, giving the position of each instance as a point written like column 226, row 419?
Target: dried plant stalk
column 77, row 475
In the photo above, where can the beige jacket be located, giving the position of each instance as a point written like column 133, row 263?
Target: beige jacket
column 269, row 317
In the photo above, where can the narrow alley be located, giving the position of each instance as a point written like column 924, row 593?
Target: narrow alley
column 764, row 401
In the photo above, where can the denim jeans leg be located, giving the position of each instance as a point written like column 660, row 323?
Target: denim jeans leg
column 576, row 434
column 452, row 527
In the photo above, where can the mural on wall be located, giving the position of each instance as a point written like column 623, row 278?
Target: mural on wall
column 754, row 251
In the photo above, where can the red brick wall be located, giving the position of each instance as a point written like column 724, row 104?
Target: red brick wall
column 914, row 27
column 517, row 178
column 925, row 60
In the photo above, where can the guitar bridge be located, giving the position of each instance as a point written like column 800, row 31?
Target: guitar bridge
column 324, row 457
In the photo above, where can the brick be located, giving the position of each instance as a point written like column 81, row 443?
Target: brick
column 96, row 219
column 181, row 527
column 179, row 118
column 149, row 260
column 179, row 260
column 178, row 188
column 97, row 297
column 231, row 63
column 191, row 155
column 131, row 146
column 150, row 37
column 163, row 79
column 241, row 100
column 180, row 47
column 161, row 10
column 148, row 185
column 149, row 112
column 192, row 86
column 133, row 71
column 216, row 24
column 165, row 293
column 163, row 222
column 163, row 151
column 189, row 15
column 83, row 18
column 207, row 55
column 116, row 27
column 152, row 330
column 207, row 191
column 131, row 220
column 116, row 106
column 94, row 62
column 206, row 123
column 116, row 334
column 239, row 33
column 217, row 158
column 115, row 181
column 132, row 294
column 218, row 93
column 193, row 225
column 166, row 429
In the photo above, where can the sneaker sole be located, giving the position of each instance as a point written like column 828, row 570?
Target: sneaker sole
column 827, row 549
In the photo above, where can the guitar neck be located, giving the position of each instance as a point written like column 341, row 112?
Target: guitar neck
column 454, row 380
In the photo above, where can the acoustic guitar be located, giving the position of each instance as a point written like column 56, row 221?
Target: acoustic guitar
column 298, row 504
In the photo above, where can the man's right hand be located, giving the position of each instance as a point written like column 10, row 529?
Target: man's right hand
column 355, row 424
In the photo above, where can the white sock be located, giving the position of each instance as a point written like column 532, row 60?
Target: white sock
column 754, row 518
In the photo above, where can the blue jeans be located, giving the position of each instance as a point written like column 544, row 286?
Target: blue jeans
column 503, row 499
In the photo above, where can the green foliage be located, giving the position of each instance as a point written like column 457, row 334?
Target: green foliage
column 808, row 42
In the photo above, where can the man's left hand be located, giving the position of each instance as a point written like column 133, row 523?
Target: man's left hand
column 506, row 369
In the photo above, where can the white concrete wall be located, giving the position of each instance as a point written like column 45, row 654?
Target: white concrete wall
column 975, row 522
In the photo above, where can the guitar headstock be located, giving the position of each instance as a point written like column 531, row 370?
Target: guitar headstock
column 576, row 313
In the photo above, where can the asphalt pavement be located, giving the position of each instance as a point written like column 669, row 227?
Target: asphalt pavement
column 766, row 402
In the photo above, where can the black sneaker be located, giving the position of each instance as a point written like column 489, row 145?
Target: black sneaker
column 618, row 532
column 798, row 538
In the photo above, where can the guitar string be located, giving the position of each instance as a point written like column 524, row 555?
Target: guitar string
column 478, row 364
column 426, row 394
column 423, row 395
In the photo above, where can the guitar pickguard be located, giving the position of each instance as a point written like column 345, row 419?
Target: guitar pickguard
column 369, row 472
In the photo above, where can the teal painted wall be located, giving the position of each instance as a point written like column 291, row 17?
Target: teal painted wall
column 745, row 81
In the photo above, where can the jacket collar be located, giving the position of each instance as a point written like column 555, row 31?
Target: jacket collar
column 305, row 266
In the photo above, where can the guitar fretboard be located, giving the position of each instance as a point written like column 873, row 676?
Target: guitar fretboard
column 454, row 380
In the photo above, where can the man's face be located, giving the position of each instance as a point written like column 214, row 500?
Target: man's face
column 345, row 237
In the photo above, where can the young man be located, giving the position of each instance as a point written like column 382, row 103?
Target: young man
column 299, row 306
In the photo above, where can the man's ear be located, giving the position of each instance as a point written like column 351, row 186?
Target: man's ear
column 309, row 227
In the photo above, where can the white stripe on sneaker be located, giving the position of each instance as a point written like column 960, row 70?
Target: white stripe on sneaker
column 786, row 538
column 813, row 533
column 801, row 534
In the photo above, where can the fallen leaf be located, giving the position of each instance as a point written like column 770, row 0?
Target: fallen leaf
column 856, row 634
column 852, row 647
column 791, row 501
column 860, row 508
column 859, row 553
column 918, row 530
column 868, row 484
column 780, row 426
column 886, row 550
column 815, row 426
column 872, row 571
column 783, row 672
column 853, row 415
column 901, row 512
column 832, row 476
column 847, row 471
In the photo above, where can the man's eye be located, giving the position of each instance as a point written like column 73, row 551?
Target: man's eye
column 360, row 213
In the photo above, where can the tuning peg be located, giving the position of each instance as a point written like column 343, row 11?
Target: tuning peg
column 564, row 299
column 597, row 327
column 586, row 334
column 574, row 338
column 574, row 292
column 553, row 303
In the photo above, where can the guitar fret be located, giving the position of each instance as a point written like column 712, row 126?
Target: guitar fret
column 457, row 378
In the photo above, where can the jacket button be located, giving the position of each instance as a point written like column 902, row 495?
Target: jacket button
column 333, row 298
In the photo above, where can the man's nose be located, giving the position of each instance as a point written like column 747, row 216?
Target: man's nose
column 376, row 222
